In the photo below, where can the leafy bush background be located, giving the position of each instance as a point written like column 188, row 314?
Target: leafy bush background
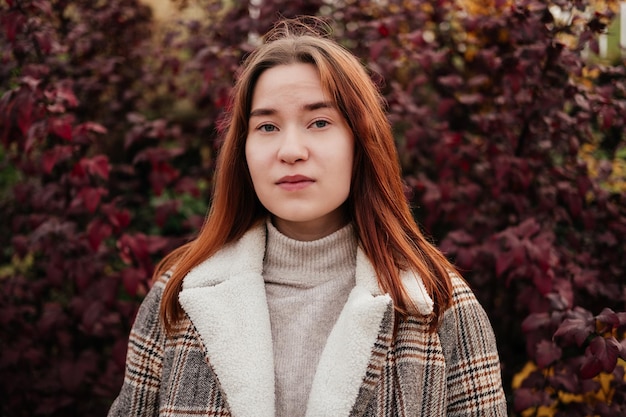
column 510, row 133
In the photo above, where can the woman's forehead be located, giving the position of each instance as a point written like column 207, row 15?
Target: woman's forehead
column 290, row 85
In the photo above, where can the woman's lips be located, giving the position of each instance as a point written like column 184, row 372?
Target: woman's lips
column 294, row 182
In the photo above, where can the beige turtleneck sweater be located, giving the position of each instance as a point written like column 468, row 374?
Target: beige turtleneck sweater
column 307, row 285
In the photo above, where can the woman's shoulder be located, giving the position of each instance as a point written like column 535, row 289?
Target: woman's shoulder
column 155, row 293
column 462, row 293
column 160, row 281
column 148, row 313
column 465, row 321
column 464, row 301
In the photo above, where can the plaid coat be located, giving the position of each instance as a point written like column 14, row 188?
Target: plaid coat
column 219, row 361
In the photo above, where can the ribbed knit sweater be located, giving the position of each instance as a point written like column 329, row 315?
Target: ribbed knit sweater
column 307, row 285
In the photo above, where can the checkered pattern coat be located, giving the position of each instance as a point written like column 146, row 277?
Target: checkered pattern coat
column 219, row 360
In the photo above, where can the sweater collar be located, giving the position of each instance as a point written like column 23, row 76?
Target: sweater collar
column 307, row 264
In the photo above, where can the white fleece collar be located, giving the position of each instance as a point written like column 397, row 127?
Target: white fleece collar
column 413, row 284
column 225, row 299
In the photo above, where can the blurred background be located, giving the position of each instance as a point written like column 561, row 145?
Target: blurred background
column 509, row 119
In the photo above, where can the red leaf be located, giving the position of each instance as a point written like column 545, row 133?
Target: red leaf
column 444, row 106
column 466, row 258
column 566, row 380
column 98, row 165
column 135, row 246
column 542, row 281
column 57, row 154
column 89, row 197
column 453, row 81
column 156, row 243
column 505, row 260
column 607, row 320
column 157, row 155
column 526, row 398
column 44, row 42
column 117, row 218
column 607, row 350
column 377, row 48
column 20, row 245
column 590, row 368
column 461, row 237
column 563, row 297
column 31, row 81
column 97, row 231
column 92, row 317
column 161, row 175
column 25, row 117
column 600, row 355
column 189, row 186
column 608, row 115
column 165, row 211
column 44, row 6
column 78, row 171
column 535, row 321
column 94, row 127
column 122, row 218
column 617, row 346
column 528, row 228
column 13, row 23
column 547, row 353
column 81, row 131
column 61, row 127
column 574, row 329
column 132, row 278
column 48, row 160
column 608, row 238
column 383, row 30
column 36, row 133
column 478, row 80
column 66, row 94
column 52, row 316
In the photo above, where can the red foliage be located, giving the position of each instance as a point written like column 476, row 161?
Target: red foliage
column 108, row 141
column 76, row 201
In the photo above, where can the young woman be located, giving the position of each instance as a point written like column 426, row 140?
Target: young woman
column 309, row 290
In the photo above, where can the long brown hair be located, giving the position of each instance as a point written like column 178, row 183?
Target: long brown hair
column 385, row 227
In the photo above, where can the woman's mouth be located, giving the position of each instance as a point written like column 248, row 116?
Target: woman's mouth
column 294, row 182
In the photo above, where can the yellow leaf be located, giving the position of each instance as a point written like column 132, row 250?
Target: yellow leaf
column 519, row 377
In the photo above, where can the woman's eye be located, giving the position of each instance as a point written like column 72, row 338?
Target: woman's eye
column 267, row 128
column 320, row 123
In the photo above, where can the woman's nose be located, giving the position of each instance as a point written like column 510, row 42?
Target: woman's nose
column 293, row 147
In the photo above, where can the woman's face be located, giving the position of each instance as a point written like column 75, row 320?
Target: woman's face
column 299, row 152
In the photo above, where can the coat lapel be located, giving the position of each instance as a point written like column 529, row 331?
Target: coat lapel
column 356, row 348
column 225, row 299
column 347, row 355
column 350, row 349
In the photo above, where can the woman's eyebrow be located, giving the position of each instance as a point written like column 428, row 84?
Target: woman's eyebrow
column 307, row 107
column 262, row 112
column 319, row 105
